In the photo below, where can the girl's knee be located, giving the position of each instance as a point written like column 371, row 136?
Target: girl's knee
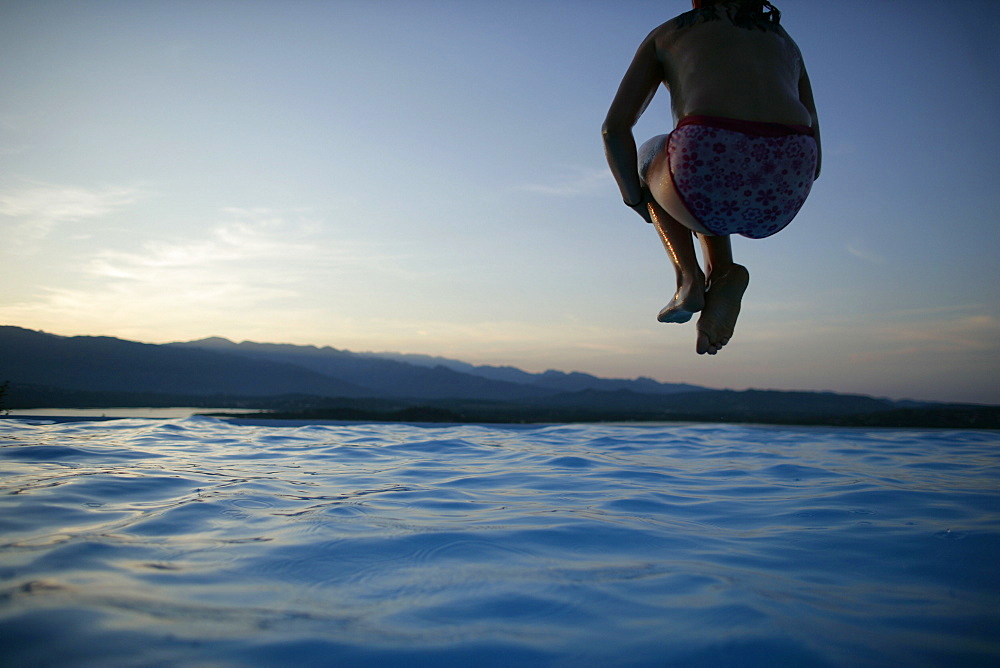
column 648, row 153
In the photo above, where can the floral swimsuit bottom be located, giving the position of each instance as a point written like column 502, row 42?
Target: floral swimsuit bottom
column 738, row 177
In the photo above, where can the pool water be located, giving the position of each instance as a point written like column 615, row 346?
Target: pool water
column 231, row 542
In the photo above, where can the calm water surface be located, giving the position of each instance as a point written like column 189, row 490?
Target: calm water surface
column 205, row 542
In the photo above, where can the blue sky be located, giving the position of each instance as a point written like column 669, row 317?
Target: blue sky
column 428, row 177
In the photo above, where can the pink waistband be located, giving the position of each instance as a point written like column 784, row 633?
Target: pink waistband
column 756, row 128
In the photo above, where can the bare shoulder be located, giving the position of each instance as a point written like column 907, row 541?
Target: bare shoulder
column 680, row 24
column 663, row 34
column 662, row 42
column 788, row 38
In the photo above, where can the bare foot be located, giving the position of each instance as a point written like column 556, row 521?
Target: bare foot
column 684, row 305
column 722, row 308
column 688, row 300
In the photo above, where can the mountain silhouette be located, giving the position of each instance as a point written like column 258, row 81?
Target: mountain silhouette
column 217, row 366
column 101, row 363
column 50, row 371
column 399, row 375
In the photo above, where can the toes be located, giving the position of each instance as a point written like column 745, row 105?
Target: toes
column 703, row 345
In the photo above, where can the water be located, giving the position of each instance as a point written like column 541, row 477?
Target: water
column 205, row 542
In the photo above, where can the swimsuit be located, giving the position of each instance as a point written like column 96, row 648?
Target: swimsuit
column 738, row 177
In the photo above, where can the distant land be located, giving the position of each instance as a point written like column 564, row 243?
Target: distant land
column 286, row 381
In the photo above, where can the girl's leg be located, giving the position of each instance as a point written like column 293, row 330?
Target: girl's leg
column 718, row 292
column 726, row 282
column 679, row 244
column 689, row 297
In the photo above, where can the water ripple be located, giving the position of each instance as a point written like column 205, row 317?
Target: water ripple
column 138, row 542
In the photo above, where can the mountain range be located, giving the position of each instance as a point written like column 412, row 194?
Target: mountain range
column 216, row 366
column 50, row 371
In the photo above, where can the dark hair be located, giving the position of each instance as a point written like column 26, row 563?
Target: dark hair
column 748, row 14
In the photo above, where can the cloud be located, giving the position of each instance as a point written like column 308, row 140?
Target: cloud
column 252, row 265
column 574, row 182
column 37, row 210
column 252, row 256
column 960, row 328
column 10, row 126
column 843, row 148
column 860, row 251
column 975, row 334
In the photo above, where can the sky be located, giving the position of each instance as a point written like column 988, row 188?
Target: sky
column 427, row 176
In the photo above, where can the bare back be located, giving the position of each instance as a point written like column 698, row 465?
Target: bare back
column 714, row 68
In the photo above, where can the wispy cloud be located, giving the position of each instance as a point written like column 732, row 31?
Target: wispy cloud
column 972, row 335
column 10, row 142
column 863, row 252
column 971, row 328
column 251, row 265
column 843, row 148
column 251, row 255
column 36, row 210
column 950, row 311
column 573, row 182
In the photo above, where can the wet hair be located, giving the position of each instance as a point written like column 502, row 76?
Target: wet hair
column 748, row 14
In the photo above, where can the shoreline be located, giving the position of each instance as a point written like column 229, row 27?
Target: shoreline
column 945, row 417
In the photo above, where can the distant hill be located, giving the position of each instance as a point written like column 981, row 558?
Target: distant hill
column 216, row 366
column 105, row 364
column 401, row 375
column 49, row 371
column 379, row 377
column 558, row 381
